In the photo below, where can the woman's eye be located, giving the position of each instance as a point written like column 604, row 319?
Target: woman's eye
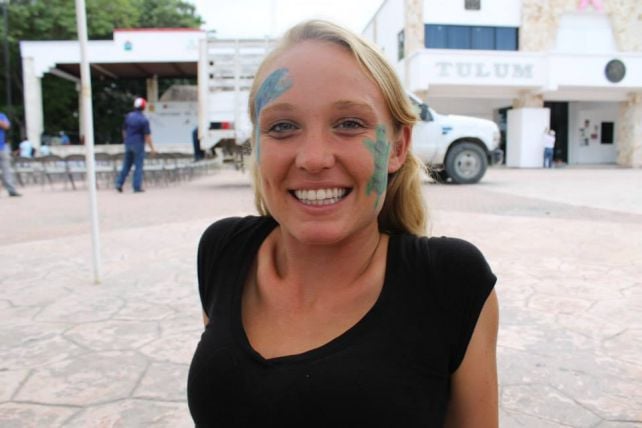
column 281, row 127
column 350, row 124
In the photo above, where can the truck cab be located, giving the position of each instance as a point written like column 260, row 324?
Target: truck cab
column 454, row 148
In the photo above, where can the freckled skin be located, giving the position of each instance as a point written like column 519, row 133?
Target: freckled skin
column 380, row 150
column 272, row 87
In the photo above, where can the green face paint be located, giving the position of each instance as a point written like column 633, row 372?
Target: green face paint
column 272, row 87
column 380, row 150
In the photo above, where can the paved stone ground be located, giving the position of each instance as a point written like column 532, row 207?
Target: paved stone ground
column 566, row 245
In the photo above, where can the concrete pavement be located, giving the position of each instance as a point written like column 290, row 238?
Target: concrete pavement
column 566, row 245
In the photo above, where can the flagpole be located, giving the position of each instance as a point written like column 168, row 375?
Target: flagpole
column 88, row 132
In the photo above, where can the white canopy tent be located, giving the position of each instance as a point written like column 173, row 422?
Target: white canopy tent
column 132, row 53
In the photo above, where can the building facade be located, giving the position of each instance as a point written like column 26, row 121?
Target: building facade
column 572, row 65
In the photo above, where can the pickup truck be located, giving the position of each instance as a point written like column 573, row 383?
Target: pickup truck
column 455, row 148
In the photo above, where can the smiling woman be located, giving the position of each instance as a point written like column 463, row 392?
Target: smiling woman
column 331, row 306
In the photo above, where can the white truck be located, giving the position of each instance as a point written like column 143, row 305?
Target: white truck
column 455, row 148
column 225, row 72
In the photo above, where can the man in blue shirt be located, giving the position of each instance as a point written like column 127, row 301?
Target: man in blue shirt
column 5, row 166
column 136, row 134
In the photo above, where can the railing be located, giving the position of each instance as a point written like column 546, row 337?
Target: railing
column 162, row 168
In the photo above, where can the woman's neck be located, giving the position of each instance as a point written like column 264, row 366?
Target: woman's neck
column 306, row 273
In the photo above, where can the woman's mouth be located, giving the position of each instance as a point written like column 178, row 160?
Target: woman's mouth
column 320, row 196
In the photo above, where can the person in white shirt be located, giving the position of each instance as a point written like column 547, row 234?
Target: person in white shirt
column 44, row 150
column 26, row 149
column 548, row 141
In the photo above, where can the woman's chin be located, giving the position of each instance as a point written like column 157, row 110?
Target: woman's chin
column 328, row 232
column 313, row 233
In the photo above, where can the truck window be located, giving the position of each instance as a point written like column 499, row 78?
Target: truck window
column 424, row 113
column 422, row 110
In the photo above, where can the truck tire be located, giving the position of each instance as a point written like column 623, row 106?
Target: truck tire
column 466, row 163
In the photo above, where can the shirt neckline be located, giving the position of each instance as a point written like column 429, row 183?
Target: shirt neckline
column 339, row 342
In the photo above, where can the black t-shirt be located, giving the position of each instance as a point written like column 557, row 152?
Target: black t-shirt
column 392, row 368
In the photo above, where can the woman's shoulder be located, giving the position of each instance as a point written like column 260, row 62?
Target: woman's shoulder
column 224, row 246
column 455, row 251
column 234, row 225
column 229, row 229
column 446, row 258
column 442, row 247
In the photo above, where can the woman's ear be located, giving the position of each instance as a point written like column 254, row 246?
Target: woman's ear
column 399, row 149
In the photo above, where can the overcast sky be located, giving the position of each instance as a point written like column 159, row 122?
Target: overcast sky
column 260, row 18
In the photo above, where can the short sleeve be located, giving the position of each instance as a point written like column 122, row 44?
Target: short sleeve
column 146, row 130
column 223, row 253
column 466, row 281
column 210, row 248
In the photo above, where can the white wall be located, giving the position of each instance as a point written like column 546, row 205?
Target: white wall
column 501, row 13
column 370, row 30
column 384, row 27
column 177, row 46
column 595, row 113
column 580, row 75
column 172, row 122
column 482, row 108
column 524, row 146
column 483, row 68
column 585, row 33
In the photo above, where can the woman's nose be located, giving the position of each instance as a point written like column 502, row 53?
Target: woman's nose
column 315, row 152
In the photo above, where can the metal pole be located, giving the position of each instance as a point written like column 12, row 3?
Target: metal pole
column 273, row 6
column 7, row 64
column 88, row 130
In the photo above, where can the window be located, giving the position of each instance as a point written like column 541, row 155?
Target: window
column 458, row 37
column 483, row 38
column 470, row 37
column 472, row 4
column 505, row 39
column 435, row 36
column 401, row 45
column 606, row 136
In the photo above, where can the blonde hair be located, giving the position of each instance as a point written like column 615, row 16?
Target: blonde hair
column 403, row 209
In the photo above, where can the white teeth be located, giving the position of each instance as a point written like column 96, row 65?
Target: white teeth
column 320, row 196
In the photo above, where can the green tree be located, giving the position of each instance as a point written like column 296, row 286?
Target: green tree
column 168, row 13
column 56, row 20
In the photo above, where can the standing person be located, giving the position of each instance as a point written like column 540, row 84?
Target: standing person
column 26, row 149
column 5, row 157
column 548, row 141
column 44, row 149
column 331, row 308
column 136, row 134
column 64, row 138
column 199, row 153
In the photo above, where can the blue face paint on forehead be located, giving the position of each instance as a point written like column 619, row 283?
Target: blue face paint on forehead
column 272, row 87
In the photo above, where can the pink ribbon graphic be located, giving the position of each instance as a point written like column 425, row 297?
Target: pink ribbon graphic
column 597, row 4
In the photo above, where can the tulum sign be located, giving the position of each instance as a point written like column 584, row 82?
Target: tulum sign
column 484, row 70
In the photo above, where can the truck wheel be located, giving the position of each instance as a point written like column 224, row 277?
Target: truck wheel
column 466, row 163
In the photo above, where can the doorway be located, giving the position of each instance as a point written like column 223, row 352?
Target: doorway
column 559, row 123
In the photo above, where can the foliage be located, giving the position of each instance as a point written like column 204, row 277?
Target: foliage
column 56, row 20
column 168, row 13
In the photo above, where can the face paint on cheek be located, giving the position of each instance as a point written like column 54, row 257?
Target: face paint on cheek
column 272, row 87
column 380, row 150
